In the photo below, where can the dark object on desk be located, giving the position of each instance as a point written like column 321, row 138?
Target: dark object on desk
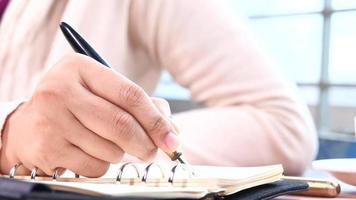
column 16, row 189
column 13, row 189
column 317, row 187
column 269, row 191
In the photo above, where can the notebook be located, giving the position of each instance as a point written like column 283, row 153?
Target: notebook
column 154, row 181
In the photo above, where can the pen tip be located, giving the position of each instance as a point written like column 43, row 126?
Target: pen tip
column 63, row 24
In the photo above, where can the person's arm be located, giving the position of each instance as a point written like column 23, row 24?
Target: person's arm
column 73, row 121
column 252, row 115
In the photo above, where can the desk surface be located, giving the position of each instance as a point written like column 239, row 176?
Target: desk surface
column 347, row 191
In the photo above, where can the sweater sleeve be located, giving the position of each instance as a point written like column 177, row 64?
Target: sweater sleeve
column 252, row 115
column 6, row 108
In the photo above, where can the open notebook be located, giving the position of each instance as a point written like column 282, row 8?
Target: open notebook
column 159, row 182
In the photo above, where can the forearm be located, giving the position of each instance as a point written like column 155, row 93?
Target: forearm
column 247, row 136
column 253, row 114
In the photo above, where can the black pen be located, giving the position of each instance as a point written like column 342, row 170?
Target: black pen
column 81, row 46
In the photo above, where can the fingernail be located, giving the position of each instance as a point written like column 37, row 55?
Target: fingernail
column 172, row 141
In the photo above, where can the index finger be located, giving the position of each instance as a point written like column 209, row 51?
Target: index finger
column 124, row 93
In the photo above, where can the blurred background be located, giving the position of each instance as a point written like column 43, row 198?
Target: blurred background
column 314, row 43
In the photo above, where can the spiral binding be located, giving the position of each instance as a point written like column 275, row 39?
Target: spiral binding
column 175, row 169
column 147, row 170
column 143, row 178
column 122, row 168
column 34, row 173
column 13, row 170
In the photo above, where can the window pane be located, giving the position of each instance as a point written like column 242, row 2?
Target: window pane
column 268, row 7
column 310, row 95
column 343, row 109
column 295, row 42
column 343, row 4
column 343, row 97
column 343, row 48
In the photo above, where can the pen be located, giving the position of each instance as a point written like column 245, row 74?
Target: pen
column 81, row 46
column 317, row 187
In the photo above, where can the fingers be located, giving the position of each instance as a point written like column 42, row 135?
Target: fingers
column 26, row 168
column 71, row 158
column 68, row 157
column 112, row 123
column 81, row 163
column 125, row 94
column 91, row 143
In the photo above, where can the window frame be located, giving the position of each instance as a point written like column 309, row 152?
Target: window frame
column 322, row 110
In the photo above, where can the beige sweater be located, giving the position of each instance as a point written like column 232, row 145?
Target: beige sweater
column 252, row 115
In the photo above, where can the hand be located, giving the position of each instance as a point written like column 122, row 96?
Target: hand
column 82, row 117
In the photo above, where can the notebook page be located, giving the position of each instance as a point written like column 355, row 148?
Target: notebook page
column 235, row 179
column 236, row 173
column 207, row 179
column 225, row 180
column 119, row 190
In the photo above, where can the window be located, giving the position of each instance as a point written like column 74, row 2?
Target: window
column 314, row 42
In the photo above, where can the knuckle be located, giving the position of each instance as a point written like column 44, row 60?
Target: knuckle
column 52, row 90
column 132, row 95
column 122, row 123
column 45, row 93
column 70, row 61
column 159, row 126
column 122, row 119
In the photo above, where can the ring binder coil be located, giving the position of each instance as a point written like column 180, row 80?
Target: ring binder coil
column 56, row 175
column 34, row 173
column 122, row 168
column 174, row 171
column 147, row 170
column 13, row 169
